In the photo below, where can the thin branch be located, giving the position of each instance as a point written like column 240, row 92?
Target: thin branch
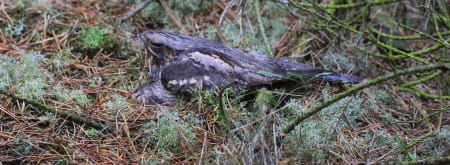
column 65, row 114
column 430, row 160
column 135, row 10
column 261, row 27
column 172, row 16
column 222, row 16
column 291, row 125
column 351, row 5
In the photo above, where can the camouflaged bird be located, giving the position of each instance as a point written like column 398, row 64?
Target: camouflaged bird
column 184, row 63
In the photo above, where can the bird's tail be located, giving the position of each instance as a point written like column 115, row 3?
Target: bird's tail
column 284, row 69
column 339, row 78
column 321, row 75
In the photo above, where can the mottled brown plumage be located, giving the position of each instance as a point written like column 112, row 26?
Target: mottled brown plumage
column 185, row 63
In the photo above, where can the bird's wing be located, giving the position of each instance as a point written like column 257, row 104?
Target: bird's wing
column 212, row 70
column 209, row 70
column 195, row 69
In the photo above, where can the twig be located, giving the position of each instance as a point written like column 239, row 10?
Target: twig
column 351, row 5
column 225, row 11
column 222, row 105
column 432, row 160
column 170, row 13
column 65, row 114
column 292, row 124
column 261, row 27
column 135, row 10
column 204, row 146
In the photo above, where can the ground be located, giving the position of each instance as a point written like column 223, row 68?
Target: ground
column 67, row 71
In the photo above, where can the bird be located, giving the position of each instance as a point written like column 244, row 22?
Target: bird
column 211, row 70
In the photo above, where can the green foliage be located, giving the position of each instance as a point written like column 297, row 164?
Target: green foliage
column 211, row 33
column 169, row 132
column 33, row 4
column 180, row 8
column 208, row 98
column 21, row 146
column 60, row 60
column 294, row 107
column 64, row 95
column 314, row 137
column 62, row 161
column 384, row 97
column 338, row 60
column 31, row 81
column 15, row 30
column 153, row 10
column 92, row 38
column 93, row 134
column 47, row 118
column 25, row 75
column 440, row 144
column 404, row 149
column 79, row 97
column 117, row 102
column 61, row 94
column 264, row 101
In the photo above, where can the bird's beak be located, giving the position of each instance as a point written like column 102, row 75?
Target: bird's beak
column 147, row 44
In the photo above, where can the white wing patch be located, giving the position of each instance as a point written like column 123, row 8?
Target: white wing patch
column 172, row 83
column 192, row 81
column 210, row 60
column 206, row 78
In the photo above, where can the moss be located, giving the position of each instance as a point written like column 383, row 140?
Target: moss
column 93, row 134
column 79, row 97
column 92, row 37
column 264, row 101
column 384, row 97
column 315, row 136
column 62, row 94
column 24, row 76
column 15, row 30
column 169, row 132
column 440, row 144
column 116, row 102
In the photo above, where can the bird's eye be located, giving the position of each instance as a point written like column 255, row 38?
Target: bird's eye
column 159, row 101
column 157, row 45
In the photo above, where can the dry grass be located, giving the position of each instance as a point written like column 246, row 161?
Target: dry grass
column 77, row 57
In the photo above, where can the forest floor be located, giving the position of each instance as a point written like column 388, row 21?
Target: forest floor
column 68, row 70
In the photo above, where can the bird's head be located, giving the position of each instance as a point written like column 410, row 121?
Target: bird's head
column 164, row 45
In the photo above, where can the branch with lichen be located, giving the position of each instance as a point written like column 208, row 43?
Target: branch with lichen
column 297, row 120
column 421, row 35
column 400, row 55
column 65, row 114
column 348, row 5
column 433, row 160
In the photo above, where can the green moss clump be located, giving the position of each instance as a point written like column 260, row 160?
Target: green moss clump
column 264, row 101
column 93, row 133
column 117, row 102
column 169, row 132
column 92, row 38
column 24, row 76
